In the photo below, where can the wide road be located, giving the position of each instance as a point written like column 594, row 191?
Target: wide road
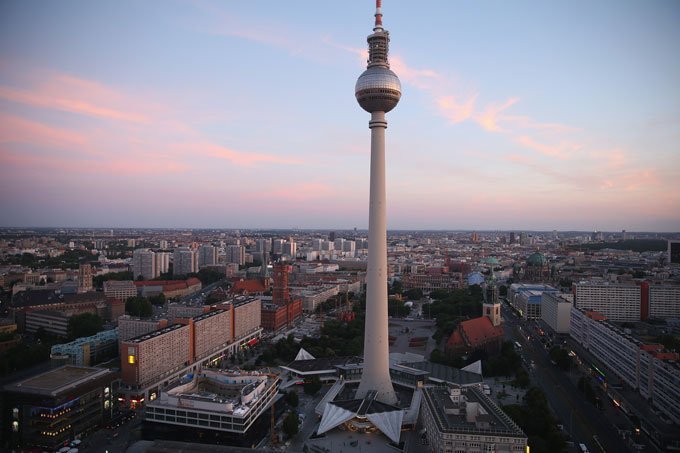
column 579, row 417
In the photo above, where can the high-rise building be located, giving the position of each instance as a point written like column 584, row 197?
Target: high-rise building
column 264, row 245
column 207, row 256
column 84, row 278
column 236, row 254
column 277, row 246
column 162, row 262
column 290, row 248
column 378, row 91
column 144, row 264
column 674, row 252
column 184, row 261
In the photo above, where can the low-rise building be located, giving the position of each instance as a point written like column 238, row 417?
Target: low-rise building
column 86, row 351
column 120, row 289
column 464, row 419
column 214, row 402
column 48, row 410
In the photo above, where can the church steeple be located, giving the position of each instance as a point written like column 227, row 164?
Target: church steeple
column 491, row 306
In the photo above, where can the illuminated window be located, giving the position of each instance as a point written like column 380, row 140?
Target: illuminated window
column 131, row 359
column 15, row 426
column 106, row 391
column 15, row 412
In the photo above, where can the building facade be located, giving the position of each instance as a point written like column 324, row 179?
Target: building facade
column 616, row 301
column 184, row 261
column 556, row 311
column 647, row 368
column 144, row 264
column 120, row 289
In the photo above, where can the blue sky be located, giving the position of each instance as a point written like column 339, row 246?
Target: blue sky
column 533, row 115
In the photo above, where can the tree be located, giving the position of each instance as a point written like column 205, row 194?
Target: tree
column 396, row 288
column 414, row 294
column 292, row 398
column 157, row 300
column 290, row 424
column 312, row 386
column 84, row 325
column 139, row 306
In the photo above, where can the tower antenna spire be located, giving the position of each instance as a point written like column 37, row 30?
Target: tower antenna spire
column 378, row 14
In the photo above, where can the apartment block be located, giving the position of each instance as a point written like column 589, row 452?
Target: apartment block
column 617, row 302
column 150, row 357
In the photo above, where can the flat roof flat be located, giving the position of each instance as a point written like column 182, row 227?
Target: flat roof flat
column 59, row 379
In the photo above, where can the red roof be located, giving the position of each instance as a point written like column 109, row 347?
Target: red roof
column 191, row 281
column 480, row 330
column 455, row 340
column 248, row 286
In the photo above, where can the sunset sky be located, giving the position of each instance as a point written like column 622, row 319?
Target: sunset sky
column 241, row 114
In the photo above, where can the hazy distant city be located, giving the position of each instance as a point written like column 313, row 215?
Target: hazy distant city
column 483, row 255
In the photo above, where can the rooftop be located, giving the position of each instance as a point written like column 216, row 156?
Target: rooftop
column 55, row 381
column 154, row 334
column 489, row 420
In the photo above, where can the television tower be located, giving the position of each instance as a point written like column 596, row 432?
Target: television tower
column 378, row 91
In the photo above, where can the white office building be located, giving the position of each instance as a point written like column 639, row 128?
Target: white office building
column 556, row 311
column 618, row 302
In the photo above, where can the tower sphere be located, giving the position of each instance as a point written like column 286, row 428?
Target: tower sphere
column 378, row 89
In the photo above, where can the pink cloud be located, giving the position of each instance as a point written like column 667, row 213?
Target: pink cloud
column 491, row 115
column 419, row 78
column 293, row 193
column 564, row 150
column 71, row 95
column 14, row 129
column 121, row 166
column 457, row 110
column 239, row 158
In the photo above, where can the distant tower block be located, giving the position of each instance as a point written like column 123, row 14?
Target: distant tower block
column 378, row 91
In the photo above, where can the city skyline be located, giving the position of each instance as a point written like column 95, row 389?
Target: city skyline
column 240, row 115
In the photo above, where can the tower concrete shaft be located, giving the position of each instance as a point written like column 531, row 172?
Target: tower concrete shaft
column 376, row 374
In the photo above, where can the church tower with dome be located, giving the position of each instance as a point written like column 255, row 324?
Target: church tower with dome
column 537, row 268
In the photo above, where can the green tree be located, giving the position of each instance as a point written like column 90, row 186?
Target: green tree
column 158, row 299
column 414, row 294
column 84, row 325
column 312, row 386
column 98, row 281
column 397, row 287
column 290, row 424
column 292, row 398
column 139, row 306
